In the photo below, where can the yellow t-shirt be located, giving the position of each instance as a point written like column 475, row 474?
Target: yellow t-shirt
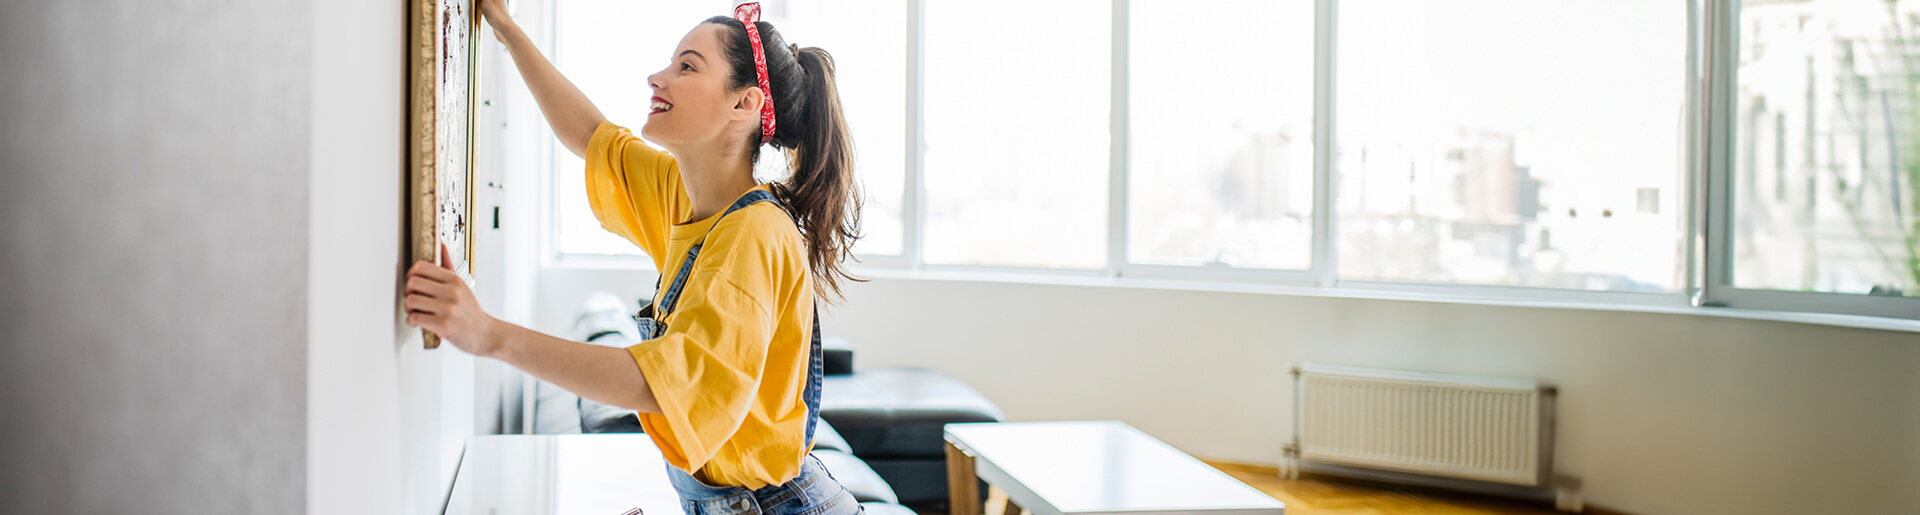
column 730, row 369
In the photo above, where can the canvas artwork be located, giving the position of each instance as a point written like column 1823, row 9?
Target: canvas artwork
column 444, row 88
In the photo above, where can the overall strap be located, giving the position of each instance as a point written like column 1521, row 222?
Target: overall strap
column 815, row 375
column 671, row 296
column 815, row 369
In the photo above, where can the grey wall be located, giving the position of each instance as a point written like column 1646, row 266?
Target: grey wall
column 153, row 256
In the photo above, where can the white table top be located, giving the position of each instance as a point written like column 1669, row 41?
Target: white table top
column 600, row 474
column 1101, row 467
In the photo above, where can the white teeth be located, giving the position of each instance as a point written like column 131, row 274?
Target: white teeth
column 661, row 107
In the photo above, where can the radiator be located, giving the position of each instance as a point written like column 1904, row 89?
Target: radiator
column 1467, row 427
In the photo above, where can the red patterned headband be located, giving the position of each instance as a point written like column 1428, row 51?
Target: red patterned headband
column 749, row 14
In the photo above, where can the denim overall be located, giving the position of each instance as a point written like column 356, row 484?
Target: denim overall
column 814, row 491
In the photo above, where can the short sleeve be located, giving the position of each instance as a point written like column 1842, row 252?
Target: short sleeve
column 706, row 370
column 634, row 189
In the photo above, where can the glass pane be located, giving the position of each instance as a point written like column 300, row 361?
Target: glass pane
column 1016, row 132
column 1512, row 142
column 1221, row 169
column 609, row 47
column 868, row 41
column 1826, row 153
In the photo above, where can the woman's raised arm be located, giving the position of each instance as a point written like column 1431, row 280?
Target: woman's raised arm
column 568, row 111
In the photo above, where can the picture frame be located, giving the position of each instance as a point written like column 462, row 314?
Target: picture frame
column 443, row 63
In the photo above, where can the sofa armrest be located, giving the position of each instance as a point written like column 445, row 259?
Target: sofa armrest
column 836, row 356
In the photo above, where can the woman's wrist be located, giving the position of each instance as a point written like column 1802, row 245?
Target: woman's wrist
column 505, row 30
column 496, row 337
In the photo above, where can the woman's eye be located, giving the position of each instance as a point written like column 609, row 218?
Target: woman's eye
column 686, row 66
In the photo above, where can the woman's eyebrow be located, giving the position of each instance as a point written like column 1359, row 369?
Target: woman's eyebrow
column 695, row 54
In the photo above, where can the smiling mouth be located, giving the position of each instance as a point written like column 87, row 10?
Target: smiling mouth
column 661, row 106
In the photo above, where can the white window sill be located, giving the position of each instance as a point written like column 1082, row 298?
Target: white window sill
column 588, row 262
column 1673, row 304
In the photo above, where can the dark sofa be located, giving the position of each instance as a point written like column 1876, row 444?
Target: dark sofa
column 893, row 418
column 880, row 431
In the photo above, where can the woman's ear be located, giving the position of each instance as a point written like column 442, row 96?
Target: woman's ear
column 748, row 107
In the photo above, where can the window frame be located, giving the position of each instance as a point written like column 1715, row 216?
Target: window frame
column 544, row 34
column 1722, row 56
column 1711, row 60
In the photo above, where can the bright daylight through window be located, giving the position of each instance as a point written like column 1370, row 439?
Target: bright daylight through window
column 1517, row 148
column 609, row 47
column 1467, row 158
column 1826, row 177
column 1221, row 142
column 1016, row 132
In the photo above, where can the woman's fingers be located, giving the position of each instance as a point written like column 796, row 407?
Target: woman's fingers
column 426, row 313
column 494, row 12
column 417, row 303
column 427, row 287
column 423, row 319
column 438, row 300
column 425, row 294
column 429, row 282
column 429, row 271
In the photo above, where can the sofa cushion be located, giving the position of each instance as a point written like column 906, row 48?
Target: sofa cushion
column 596, row 417
column 555, row 410
column 916, row 480
column 854, row 474
column 875, row 508
column 602, row 418
column 825, row 438
column 836, row 356
column 900, row 412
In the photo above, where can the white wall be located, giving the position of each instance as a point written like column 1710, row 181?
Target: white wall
column 153, row 256
column 1659, row 413
column 387, row 419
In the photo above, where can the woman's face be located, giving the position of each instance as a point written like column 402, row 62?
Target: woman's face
column 693, row 105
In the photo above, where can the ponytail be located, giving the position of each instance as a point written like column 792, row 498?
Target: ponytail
column 822, row 195
column 822, row 192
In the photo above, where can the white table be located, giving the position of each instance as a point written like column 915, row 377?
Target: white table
column 599, row 474
column 1086, row 468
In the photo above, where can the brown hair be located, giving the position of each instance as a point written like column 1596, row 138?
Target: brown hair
column 821, row 195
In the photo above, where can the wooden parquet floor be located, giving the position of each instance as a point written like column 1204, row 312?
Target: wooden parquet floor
column 1317, row 495
column 1321, row 495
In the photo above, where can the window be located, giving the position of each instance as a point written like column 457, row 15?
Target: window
column 1221, row 134
column 867, row 39
column 1528, row 150
column 1826, row 148
column 1512, row 143
column 1016, row 161
column 609, row 47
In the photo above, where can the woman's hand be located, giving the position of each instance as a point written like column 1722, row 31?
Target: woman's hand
column 572, row 117
column 439, row 301
column 495, row 12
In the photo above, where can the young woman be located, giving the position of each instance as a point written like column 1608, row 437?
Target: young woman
column 727, row 382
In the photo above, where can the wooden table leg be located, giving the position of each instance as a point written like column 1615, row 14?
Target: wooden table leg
column 963, row 488
column 999, row 504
